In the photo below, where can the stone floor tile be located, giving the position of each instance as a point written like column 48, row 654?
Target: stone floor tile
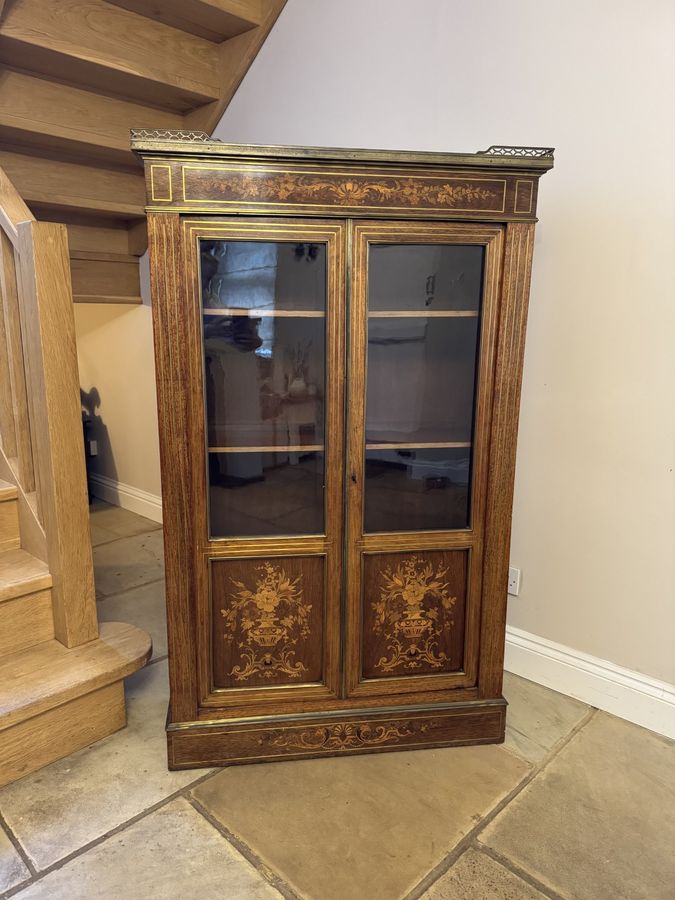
column 58, row 809
column 599, row 821
column 111, row 522
column 537, row 717
column 144, row 607
column 12, row 869
column 360, row 826
column 173, row 852
column 475, row 876
column 128, row 562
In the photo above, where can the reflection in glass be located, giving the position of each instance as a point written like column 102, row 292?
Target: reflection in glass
column 257, row 494
column 423, row 334
column 421, row 376
column 417, row 489
column 270, row 400
column 424, row 276
column 264, row 373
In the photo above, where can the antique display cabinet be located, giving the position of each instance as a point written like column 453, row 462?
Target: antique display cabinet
column 339, row 338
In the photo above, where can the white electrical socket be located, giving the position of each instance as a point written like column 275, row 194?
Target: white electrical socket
column 514, row 581
column 93, row 448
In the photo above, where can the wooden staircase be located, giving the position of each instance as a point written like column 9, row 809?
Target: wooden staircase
column 61, row 677
column 77, row 76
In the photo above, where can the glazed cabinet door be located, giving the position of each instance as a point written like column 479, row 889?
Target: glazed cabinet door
column 271, row 315
column 423, row 320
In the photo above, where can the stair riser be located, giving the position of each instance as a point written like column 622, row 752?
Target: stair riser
column 25, row 622
column 9, row 525
column 43, row 739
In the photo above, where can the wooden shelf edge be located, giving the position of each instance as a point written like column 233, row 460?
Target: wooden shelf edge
column 424, row 314
column 96, row 298
column 263, row 313
column 295, row 448
column 420, row 445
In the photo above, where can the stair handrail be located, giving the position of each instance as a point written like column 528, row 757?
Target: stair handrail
column 40, row 413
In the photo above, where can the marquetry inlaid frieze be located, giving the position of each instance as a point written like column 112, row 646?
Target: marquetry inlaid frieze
column 231, row 743
column 231, row 187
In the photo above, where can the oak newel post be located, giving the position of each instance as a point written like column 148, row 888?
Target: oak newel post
column 339, row 338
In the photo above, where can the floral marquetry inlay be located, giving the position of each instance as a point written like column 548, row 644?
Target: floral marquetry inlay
column 267, row 620
column 344, row 736
column 358, row 190
column 413, row 611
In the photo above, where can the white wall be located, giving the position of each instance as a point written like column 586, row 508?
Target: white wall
column 594, row 518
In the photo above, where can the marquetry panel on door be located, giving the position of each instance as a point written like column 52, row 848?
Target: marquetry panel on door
column 413, row 613
column 267, row 621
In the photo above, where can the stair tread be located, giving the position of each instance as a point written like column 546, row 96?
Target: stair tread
column 8, row 491
column 72, row 120
column 35, row 680
column 95, row 44
column 21, row 573
column 215, row 20
column 71, row 185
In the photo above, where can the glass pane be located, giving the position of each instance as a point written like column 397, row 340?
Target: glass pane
column 257, row 494
column 417, row 489
column 264, row 372
column 421, row 385
column 421, row 376
column 425, row 276
column 263, row 275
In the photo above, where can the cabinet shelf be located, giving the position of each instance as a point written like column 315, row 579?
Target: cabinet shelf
column 420, row 445
column 293, row 448
column 266, row 313
column 424, row 314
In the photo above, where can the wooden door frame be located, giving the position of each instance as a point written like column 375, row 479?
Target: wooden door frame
column 357, row 544
column 178, row 357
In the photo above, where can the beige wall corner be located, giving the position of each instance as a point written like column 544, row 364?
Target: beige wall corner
column 117, row 377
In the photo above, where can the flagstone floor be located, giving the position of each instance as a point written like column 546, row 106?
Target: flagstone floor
column 575, row 804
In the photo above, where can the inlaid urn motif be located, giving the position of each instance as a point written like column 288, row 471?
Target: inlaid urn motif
column 412, row 612
column 266, row 622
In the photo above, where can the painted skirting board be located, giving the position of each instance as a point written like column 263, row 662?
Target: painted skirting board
column 630, row 695
column 126, row 496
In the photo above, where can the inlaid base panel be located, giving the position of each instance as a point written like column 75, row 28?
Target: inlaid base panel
column 196, row 744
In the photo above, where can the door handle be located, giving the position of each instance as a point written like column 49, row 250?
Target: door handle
column 354, row 478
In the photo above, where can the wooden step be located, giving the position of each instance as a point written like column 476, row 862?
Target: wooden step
column 215, row 20
column 104, row 277
column 36, row 112
column 9, row 517
column 70, row 186
column 109, row 236
column 20, row 574
column 54, row 701
column 8, row 491
column 111, row 50
column 103, row 255
column 234, row 59
column 49, row 674
column 25, row 622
